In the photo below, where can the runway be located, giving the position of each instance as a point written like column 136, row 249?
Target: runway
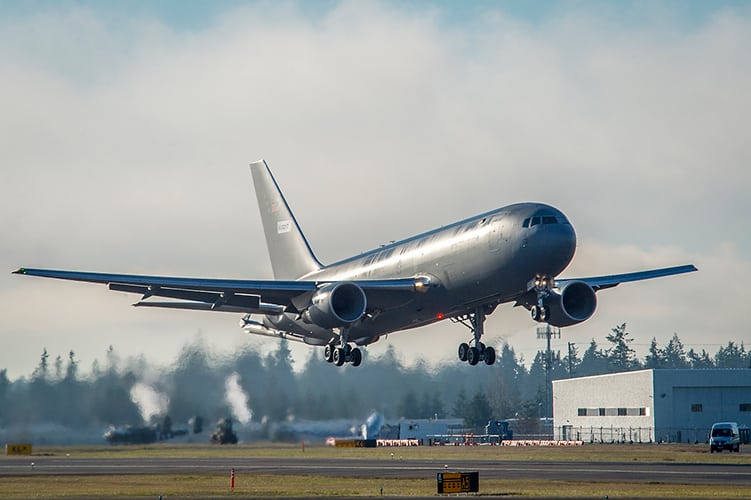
column 637, row 472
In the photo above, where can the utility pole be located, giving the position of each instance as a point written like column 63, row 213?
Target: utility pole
column 570, row 360
column 546, row 333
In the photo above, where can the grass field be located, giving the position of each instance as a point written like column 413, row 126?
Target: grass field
column 214, row 485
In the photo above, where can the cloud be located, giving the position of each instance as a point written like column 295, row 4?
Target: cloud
column 125, row 143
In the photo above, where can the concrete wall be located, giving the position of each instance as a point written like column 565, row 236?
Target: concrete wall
column 605, row 398
column 677, row 405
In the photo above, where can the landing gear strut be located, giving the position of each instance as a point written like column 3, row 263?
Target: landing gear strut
column 478, row 352
column 542, row 286
column 343, row 353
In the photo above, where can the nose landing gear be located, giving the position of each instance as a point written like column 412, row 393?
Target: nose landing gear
column 542, row 286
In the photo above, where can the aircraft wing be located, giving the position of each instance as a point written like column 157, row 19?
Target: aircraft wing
column 228, row 295
column 602, row 282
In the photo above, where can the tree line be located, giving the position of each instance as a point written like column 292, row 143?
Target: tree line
column 196, row 384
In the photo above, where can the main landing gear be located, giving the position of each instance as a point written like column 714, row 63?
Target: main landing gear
column 343, row 353
column 478, row 352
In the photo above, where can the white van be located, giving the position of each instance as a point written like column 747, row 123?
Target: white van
column 724, row 436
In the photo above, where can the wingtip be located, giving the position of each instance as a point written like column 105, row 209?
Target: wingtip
column 20, row 270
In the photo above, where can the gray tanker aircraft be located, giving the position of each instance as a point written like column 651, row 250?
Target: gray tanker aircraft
column 459, row 272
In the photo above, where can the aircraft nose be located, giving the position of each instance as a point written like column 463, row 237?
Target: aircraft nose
column 556, row 244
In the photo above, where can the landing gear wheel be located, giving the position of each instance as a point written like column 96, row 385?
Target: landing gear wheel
column 356, row 357
column 473, row 356
column 339, row 356
column 328, row 353
column 544, row 313
column 540, row 313
column 463, row 348
column 535, row 313
column 489, row 356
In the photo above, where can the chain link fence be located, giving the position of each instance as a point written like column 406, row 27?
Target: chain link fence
column 613, row 434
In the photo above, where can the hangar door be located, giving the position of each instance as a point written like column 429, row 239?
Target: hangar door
column 702, row 406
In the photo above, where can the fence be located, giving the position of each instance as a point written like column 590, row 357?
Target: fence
column 613, row 434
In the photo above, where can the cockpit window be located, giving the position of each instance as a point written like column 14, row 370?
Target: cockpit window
column 545, row 219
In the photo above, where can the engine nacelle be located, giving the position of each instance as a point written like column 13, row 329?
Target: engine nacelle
column 335, row 305
column 574, row 303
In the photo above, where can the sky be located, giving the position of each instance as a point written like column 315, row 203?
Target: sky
column 127, row 127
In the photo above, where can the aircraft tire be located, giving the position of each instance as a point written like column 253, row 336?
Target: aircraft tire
column 328, row 353
column 535, row 313
column 356, row 357
column 489, row 356
column 544, row 313
column 481, row 347
column 463, row 348
column 473, row 356
column 338, row 356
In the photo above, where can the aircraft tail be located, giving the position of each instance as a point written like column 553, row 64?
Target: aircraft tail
column 291, row 256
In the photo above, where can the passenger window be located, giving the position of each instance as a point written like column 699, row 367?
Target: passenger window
column 535, row 221
column 549, row 219
column 526, row 222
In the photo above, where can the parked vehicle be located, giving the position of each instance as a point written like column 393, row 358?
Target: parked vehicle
column 724, row 436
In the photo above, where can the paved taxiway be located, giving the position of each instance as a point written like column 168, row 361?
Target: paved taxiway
column 676, row 473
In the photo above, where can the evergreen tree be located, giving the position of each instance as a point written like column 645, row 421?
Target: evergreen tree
column 731, row 356
column 40, row 373
column 675, row 355
column 571, row 362
column 594, row 361
column 460, row 404
column 656, row 356
column 478, row 412
column 507, row 381
column 72, row 368
column 699, row 361
column 620, row 356
column 409, row 407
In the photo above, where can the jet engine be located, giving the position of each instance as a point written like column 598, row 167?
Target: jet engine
column 574, row 303
column 335, row 305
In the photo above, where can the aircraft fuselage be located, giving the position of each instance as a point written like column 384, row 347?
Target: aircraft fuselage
column 489, row 258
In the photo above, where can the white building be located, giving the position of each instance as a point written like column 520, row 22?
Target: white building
column 650, row 405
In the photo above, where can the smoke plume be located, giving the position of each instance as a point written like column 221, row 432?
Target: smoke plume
column 150, row 402
column 237, row 399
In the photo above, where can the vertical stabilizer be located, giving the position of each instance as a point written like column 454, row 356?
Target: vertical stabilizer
column 291, row 256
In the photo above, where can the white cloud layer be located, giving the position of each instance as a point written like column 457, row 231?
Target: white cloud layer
column 124, row 144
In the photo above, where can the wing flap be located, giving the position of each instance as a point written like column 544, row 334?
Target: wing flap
column 199, row 306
